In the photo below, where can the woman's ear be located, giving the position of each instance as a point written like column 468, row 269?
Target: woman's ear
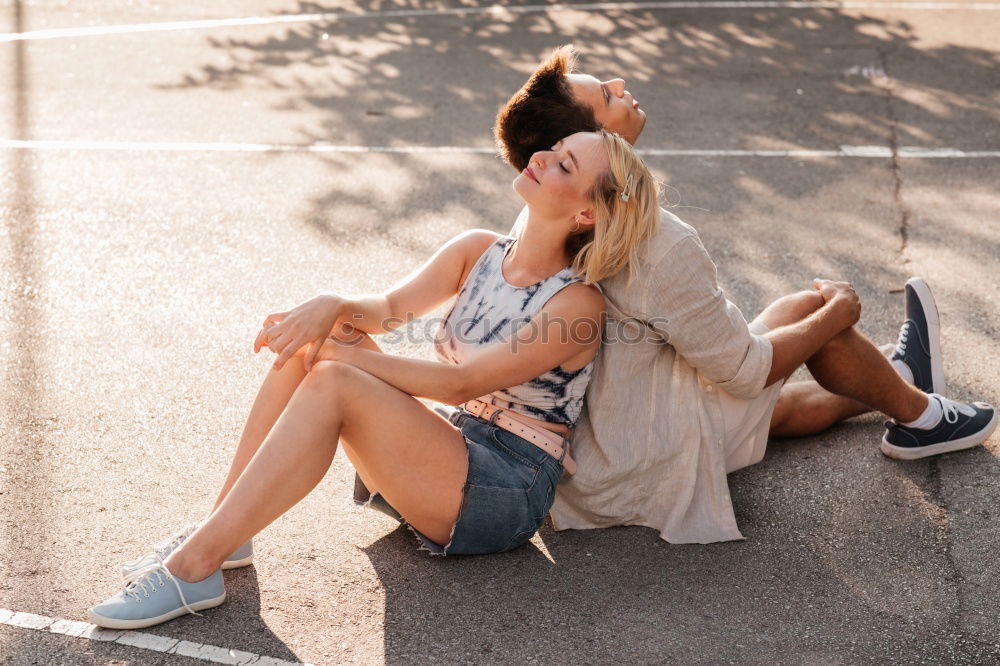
column 585, row 218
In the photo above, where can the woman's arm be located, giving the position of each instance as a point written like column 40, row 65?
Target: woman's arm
column 425, row 288
column 570, row 323
column 437, row 280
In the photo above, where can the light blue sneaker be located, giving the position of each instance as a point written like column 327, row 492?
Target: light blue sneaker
column 155, row 596
column 242, row 557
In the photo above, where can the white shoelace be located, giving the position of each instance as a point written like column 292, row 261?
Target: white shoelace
column 146, row 576
column 161, row 550
column 951, row 408
column 904, row 333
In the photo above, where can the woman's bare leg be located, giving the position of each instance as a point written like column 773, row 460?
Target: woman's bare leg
column 274, row 393
column 418, row 459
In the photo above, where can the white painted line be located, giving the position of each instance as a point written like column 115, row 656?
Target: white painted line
column 866, row 151
column 657, row 152
column 29, row 621
column 215, row 654
column 145, row 641
column 193, row 147
column 497, row 11
column 142, row 146
column 140, row 640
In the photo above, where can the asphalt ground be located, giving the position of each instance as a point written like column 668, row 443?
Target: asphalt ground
column 136, row 274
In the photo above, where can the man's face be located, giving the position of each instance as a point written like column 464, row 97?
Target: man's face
column 613, row 106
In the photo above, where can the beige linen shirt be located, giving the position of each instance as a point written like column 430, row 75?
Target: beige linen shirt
column 649, row 443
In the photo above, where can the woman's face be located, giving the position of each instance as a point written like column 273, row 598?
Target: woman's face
column 557, row 183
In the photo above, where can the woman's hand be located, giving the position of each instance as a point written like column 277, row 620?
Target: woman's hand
column 286, row 333
column 842, row 298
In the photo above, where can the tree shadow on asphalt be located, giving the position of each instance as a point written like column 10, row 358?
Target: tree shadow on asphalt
column 722, row 79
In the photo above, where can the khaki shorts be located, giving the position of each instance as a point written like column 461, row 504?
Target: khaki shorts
column 748, row 422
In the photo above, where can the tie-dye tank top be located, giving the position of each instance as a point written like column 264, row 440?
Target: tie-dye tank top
column 487, row 311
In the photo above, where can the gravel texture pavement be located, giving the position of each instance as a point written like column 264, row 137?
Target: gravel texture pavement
column 134, row 279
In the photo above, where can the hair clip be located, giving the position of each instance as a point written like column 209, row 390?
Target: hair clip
column 626, row 191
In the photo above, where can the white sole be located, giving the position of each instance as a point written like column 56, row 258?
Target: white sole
column 114, row 623
column 916, row 452
column 933, row 332
column 236, row 564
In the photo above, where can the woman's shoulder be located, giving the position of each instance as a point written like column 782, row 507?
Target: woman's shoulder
column 476, row 241
column 470, row 247
column 578, row 298
column 479, row 237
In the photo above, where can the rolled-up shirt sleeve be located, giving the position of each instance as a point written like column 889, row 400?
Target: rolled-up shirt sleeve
column 686, row 306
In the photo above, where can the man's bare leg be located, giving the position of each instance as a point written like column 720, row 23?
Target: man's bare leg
column 807, row 408
column 851, row 366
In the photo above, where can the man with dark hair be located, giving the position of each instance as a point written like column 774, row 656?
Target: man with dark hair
column 685, row 391
column 556, row 102
column 543, row 111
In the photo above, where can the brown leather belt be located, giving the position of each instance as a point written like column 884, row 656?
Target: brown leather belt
column 550, row 442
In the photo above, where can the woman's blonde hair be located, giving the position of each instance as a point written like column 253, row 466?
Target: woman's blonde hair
column 626, row 213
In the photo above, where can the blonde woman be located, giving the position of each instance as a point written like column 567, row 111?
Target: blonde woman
column 516, row 352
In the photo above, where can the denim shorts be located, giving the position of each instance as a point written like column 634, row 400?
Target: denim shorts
column 510, row 487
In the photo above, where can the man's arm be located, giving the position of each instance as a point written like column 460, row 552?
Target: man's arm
column 796, row 343
column 684, row 303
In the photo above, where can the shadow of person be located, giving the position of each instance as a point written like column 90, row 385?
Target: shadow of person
column 814, row 557
column 573, row 596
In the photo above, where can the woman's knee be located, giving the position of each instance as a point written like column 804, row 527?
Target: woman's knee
column 330, row 376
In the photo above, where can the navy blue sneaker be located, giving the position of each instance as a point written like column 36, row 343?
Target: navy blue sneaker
column 919, row 344
column 962, row 426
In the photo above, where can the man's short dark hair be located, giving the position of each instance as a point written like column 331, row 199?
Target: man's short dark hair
column 542, row 112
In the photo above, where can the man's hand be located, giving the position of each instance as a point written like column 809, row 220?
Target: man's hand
column 842, row 298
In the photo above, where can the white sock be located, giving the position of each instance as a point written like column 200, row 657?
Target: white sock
column 930, row 418
column 903, row 370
